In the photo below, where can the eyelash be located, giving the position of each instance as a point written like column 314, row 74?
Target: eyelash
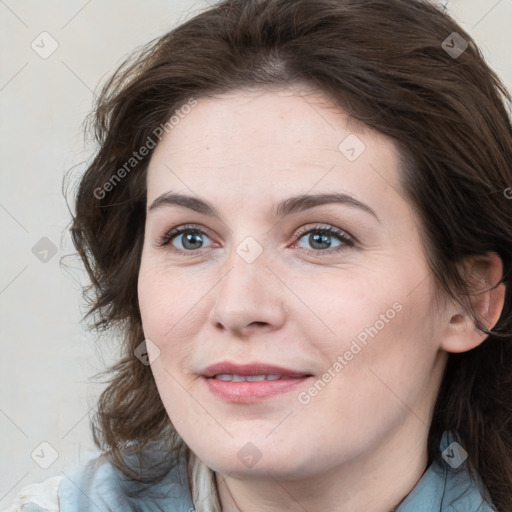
column 342, row 236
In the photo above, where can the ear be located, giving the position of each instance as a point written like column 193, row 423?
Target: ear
column 487, row 296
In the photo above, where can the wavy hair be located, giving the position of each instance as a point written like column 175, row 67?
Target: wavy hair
column 390, row 64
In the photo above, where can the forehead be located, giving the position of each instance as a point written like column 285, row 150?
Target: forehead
column 253, row 141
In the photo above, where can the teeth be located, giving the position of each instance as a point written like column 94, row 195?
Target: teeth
column 255, row 378
column 246, row 378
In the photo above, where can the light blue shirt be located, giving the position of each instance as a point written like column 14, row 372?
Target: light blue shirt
column 97, row 488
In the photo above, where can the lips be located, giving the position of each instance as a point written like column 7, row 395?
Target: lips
column 249, row 370
column 249, row 383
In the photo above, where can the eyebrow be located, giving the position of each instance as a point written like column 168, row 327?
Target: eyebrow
column 288, row 206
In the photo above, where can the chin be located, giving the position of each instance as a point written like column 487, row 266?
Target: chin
column 248, row 462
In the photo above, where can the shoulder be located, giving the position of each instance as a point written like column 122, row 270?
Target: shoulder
column 98, row 486
column 101, row 486
column 40, row 497
column 447, row 485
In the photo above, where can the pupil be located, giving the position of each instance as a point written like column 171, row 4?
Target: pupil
column 320, row 238
column 193, row 238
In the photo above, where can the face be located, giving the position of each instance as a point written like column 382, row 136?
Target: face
column 330, row 301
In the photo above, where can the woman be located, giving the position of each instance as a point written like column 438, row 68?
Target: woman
column 298, row 218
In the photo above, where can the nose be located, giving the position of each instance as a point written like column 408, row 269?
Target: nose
column 249, row 297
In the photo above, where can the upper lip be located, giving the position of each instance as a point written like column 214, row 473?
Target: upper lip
column 227, row 368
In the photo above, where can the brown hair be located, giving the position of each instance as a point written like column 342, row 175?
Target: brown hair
column 383, row 61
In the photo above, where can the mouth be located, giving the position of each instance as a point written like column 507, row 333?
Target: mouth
column 225, row 377
column 250, row 383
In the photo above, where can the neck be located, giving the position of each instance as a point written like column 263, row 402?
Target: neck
column 378, row 481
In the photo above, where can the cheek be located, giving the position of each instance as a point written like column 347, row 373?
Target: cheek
column 374, row 322
column 167, row 300
column 345, row 304
column 390, row 354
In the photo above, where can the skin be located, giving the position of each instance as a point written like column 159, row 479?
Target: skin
column 360, row 443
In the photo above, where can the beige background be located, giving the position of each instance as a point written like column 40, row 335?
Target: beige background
column 48, row 357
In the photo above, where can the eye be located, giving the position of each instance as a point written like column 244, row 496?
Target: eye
column 187, row 238
column 322, row 238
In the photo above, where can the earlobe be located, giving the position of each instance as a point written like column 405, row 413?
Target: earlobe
column 487, row 297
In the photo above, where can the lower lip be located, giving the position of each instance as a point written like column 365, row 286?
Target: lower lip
column 249, row 392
